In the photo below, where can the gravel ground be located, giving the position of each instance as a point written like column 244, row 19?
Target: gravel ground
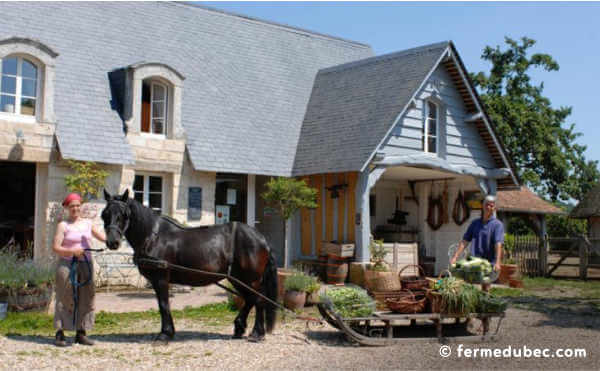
column 292, row 346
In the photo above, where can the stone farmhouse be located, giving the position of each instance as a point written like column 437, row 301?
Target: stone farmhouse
column 194, row 109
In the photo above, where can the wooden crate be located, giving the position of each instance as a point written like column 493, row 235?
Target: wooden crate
column 402, row 254
column 343, row 250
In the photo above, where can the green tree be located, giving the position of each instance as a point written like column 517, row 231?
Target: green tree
column 534, row 133
column 87, row 179
column 289, row 195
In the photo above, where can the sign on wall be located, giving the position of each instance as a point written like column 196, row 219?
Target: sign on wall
column 194, row 203
column 221, row 214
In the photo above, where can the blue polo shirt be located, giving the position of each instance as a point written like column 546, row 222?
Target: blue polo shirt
column 484, row 237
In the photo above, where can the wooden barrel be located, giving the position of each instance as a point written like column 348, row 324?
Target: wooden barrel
column 337, row 269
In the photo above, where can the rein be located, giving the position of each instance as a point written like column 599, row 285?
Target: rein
column 163, row 264
column 76, row 284
column 140, row 258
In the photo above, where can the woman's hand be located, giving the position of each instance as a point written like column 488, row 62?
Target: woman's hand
column 78, row 252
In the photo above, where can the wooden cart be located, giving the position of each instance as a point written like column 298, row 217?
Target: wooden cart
column 385, row 328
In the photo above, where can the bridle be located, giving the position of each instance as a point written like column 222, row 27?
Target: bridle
column 114, row 226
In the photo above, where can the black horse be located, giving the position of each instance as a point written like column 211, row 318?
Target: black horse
column 235, row 249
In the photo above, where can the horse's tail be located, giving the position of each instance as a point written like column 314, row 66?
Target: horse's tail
column 270, row 287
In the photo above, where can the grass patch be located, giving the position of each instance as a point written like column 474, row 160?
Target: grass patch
column 506, row 292
column 588, row 289
column 32, row 323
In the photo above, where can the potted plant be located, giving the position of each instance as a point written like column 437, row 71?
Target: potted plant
column 296, row 286
column 508, row 267
column 312, row 291
column 378, row 277
column 24, row 285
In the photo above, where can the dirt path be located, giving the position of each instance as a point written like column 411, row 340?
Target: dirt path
column 292, row 346
column 142, row 300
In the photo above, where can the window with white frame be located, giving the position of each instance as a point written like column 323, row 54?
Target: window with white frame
column 430, row 127
column 148, row 190
column 154, row 107
column 19, row 86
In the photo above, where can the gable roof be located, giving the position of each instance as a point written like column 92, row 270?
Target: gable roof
column 354, row 106
column 523, row 200
column 247, row 81
column 589, row 205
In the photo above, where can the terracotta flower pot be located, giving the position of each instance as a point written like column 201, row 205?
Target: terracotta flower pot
column 282, row 274
column 294, row 299
column 515, row 283
column 506, row 271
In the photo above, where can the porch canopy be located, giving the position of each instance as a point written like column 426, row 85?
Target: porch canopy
column 415, row 168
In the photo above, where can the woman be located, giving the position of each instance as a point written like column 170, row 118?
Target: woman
column 72, row 237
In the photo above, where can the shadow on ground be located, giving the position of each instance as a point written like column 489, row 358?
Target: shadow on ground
column 180, row 336
column 566, row 312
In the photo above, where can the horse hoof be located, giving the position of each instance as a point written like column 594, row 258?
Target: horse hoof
column 256, row 338
column 162, row 339
column 237, row 336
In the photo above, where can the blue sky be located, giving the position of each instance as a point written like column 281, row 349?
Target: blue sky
column 567, row 31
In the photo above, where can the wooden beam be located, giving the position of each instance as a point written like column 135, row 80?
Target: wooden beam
column 474, row 117
column 317, row 182
column 341, row 207
column 352, row 178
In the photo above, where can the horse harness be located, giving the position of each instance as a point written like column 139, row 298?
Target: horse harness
column 145, row 259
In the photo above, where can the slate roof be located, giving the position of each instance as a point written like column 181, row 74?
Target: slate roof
column 247, row 82
column 354, row 105
column 523, row 200
column 589, row 205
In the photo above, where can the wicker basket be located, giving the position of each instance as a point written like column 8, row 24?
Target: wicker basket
column 382, row 281
column 410, row 303
column 413, row 283
column 381, row 297
column 436, row 301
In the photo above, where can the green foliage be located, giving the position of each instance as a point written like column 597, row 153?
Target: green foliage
column 378, row 253
column 22, row 274
column 349, row 302
column 87, row 179
column 534, row 133
column 289, row 195
column 299, row 281
column 563, row 226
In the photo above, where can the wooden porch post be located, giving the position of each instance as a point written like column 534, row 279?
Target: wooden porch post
column 366, row 180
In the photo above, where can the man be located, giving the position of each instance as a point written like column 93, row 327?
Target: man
column 486, row 235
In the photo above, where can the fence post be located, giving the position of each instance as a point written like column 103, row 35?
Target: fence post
column 583, row 259
column 543, row 256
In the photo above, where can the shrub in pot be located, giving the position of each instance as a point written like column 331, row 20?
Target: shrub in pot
column 296, row 286
column 24, row 285
column 378, row 276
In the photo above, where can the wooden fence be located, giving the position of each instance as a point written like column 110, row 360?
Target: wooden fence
column 579, row 253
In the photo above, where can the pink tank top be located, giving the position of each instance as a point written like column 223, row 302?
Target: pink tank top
column 76, row 238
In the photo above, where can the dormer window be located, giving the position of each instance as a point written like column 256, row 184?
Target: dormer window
column 154, row 107
column 19, row 86
column 429, row 134
column 155, row 102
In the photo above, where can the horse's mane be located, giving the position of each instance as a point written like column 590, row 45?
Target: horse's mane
column 147, row 216
column 177, row 224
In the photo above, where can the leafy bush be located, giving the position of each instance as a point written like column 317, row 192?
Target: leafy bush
column 87, row 179
column 349, row 302
column 378, row 253
column 299, row 281
column 22, row 274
